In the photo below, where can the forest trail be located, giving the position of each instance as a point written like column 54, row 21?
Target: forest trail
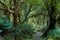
column 37, row 36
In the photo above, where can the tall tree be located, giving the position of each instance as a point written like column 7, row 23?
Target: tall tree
column 51, row 12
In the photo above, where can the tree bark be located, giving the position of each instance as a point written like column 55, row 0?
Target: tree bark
column 15, row 15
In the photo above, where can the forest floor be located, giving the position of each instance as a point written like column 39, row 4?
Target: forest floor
column 37, row 36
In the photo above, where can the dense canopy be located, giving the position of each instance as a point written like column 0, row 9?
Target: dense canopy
column 21, row 19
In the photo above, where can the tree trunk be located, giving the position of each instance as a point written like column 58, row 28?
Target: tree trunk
column 52, row 19
column 15, row 15
column 15, row 19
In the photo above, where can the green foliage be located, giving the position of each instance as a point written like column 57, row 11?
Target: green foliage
column 33, row 1
column 55, row 33
column 5, row 24
column 24, row 30
column 37, row 18
column 58, row 7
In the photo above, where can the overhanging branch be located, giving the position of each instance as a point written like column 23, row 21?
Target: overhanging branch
column 6, row 7
column 3, row 4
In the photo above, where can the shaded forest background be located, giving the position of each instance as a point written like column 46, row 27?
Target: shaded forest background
column 20, row 19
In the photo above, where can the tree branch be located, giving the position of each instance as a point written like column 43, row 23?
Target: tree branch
column 6, row 7
column 26, row 15
column 3, row 4
column 18, row 6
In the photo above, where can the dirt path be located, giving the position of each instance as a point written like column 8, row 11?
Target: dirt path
column 37, row 36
